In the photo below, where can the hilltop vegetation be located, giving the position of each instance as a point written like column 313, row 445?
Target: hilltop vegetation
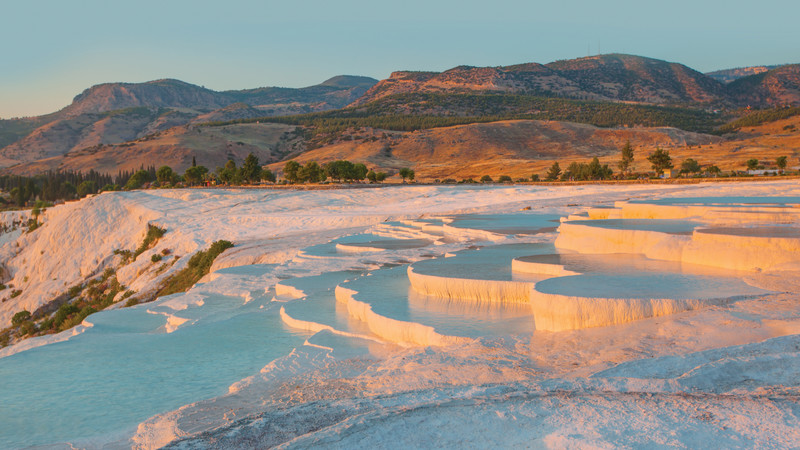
column 410, row 112
column 755, row 118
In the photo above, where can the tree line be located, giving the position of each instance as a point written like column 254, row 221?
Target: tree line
column 341, row 170
column 53, row 186
column 392, row 113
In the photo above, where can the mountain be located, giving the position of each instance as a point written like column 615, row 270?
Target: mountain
column 159, row 93
column 639, row 79
column 776, row 87
column 333, row 93
column 605, row 77
column 729, row 75
column 114, row 113
column 124, row 125
column 84, row 130
column 175, row 147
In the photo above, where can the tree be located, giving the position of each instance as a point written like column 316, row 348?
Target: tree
column 31, row 189
column 405, row 172
column 228, row 174
column 380, row 176
column 598, row 172
column 713, row 170
column 504, row 179
column 372, row 177
column 752, row 164
column 138, row 179
column 251, row 169
column 535, row 177
column 339, row 170
column 627, row 157
column 660, row 160
column 311, row 173
column 194, row 175
column 554, row 172
column 164, row 174
column 87, row 187
column 690, row 165
column 70, row 190
column 267, row 175
column 781, row 162
column 290, row 171
column 486, row 179
column 360, row 171
column 194, row 162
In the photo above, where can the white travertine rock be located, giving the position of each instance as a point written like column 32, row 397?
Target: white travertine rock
column 554, row 312
column 403, row 333
column 488, row 291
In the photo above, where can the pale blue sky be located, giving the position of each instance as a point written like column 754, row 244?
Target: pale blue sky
column 53, row 49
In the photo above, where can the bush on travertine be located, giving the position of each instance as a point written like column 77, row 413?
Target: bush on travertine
column 20, row 317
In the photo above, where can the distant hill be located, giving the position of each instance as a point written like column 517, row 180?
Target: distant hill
column 124, row 125
column 334, row 93
column 118, row 112
column 516, row 148
column 159, row 93
column 729, row 75
column 175, row 147
column 605, row 77
column 776, row 87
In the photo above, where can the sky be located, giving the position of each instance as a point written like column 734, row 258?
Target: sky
column 53, row 49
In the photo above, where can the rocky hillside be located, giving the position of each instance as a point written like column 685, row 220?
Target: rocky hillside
column 516, row 148
column 615, row 78
column 334, row 93
column 159, row 93
column 729, row 75
column 638, row 79
column 116, row 113
column 175, row 147
column 776, row 87
column 605, row 77
column 520, row 148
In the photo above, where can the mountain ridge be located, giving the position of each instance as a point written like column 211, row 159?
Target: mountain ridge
column 117, row 114
column 613, row 77
column 111, row 113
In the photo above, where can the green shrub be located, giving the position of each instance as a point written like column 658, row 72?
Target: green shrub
column 131, row 302
column 154, row 233
column 20, row 317
column 63, row 314
column 16, row 293
column 74, row 291
column 47, row 324
column 76, row 319
column 127, row 256
column 198, row 266
column 27, row 328
column 156, row 258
